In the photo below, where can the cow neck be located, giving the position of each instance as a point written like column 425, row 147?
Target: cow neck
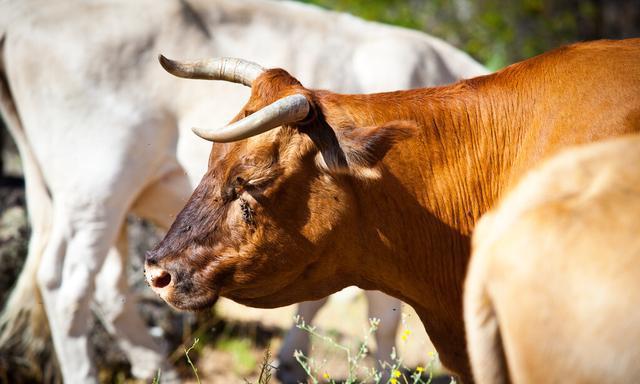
column 436, row 185
column 417, row 219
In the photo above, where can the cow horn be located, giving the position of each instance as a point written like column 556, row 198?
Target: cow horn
column 224, row 68
column 289, row 109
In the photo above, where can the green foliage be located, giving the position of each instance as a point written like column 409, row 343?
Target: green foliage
column 244, row 361
column 496, row 32
column 156, row 380
column 193, row 367
column 394, row 372
column 313, row 370
column 265, row 368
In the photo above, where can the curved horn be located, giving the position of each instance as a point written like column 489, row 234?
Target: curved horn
column 289, row 109
column 225, row 68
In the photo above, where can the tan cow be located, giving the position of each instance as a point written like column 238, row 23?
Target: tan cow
column 380, row 191
column 552, row 290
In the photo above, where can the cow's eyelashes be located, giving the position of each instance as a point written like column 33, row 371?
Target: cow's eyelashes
column 248, row 214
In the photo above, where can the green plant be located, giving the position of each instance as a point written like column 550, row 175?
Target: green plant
column 193, row 367
column 312, row 369
column 397, row 372
column 156, row 380
column 265, row 368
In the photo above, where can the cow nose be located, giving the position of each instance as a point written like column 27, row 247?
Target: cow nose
column 157, row 277
column 161, row 280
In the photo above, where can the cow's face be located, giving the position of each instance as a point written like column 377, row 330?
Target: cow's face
column 273, row 221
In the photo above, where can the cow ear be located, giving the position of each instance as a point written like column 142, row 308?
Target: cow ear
column 360, row 149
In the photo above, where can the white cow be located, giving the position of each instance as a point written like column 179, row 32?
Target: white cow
column 103, row 131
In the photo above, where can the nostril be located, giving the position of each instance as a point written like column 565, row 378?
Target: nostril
column 161, row 280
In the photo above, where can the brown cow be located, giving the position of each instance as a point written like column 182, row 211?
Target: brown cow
column 552, row 290
column 381, row 191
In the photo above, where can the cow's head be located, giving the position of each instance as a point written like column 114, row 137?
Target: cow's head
column 274, row 220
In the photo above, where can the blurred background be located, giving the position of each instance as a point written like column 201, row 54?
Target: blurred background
column 501, row 32
column 232, row 341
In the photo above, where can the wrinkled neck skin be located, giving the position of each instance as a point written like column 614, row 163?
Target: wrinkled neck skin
column 415, row 221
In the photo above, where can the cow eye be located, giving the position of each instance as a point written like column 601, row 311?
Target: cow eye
column 238, row 187
column 234, row 189
column 229, row 194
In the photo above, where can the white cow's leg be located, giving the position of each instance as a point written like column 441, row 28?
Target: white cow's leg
column 116, row 303
column 289, row 370
column 116, row 309
column 388, row 310
column 80, row 240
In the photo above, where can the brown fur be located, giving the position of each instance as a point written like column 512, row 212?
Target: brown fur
column 383, row 190
column 552, row 290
